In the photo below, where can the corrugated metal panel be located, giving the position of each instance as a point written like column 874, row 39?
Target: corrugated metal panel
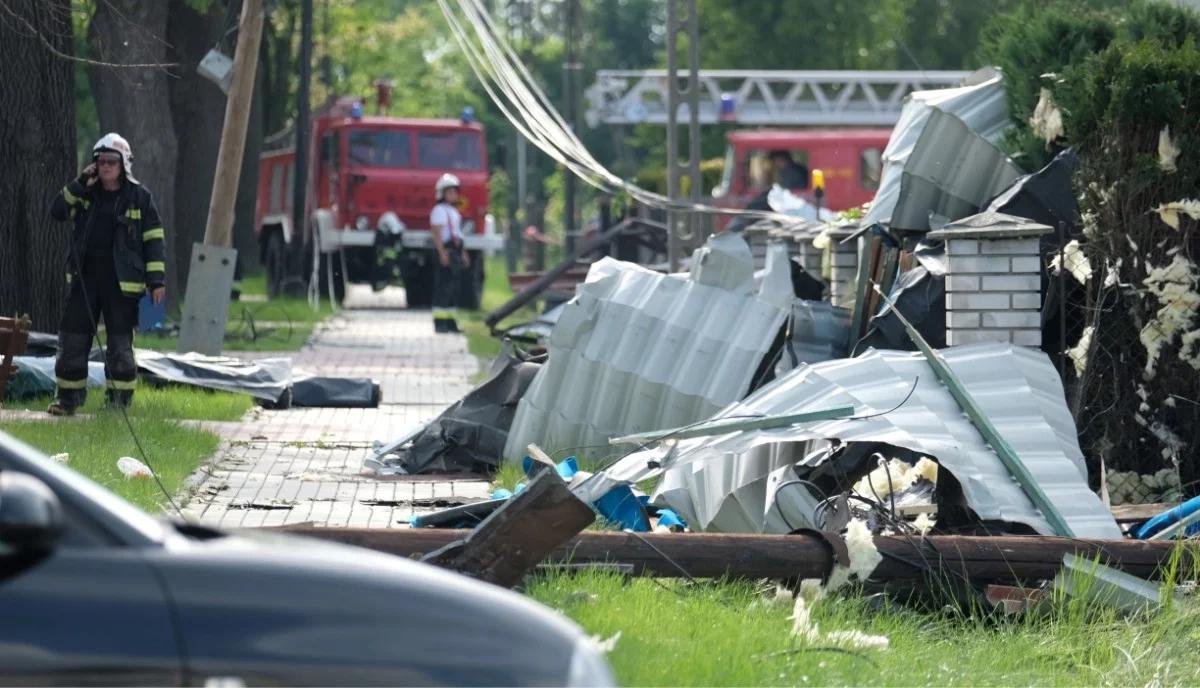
column 820, row 332
column 942, row 156
column 637, row 350
column 1017, row 388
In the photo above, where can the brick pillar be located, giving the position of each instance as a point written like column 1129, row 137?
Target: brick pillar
column 993, row 284
column 810, row 257
column 843, row 262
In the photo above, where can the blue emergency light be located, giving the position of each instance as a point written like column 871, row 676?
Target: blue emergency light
column 728, row 107
column 468, row 115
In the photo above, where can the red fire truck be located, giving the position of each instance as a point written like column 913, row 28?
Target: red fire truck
column 362, row 168
column 852, row 160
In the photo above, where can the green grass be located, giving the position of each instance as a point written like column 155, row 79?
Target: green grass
column 95, row 443
column 281, row 324
column 731, row 633
column 275, row 336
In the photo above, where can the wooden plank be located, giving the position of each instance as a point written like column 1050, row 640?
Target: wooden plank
column 1134, row 513
column 519, row 535
column 1007, row 559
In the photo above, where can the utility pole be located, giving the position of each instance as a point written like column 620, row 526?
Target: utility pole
column 571, row 68
column 219, row 229
column 300, row 178
column 682, row 226
column 210, row 279
column 327, row 59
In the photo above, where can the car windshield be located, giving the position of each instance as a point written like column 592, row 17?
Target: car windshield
column 380, row 148
column 452, row 150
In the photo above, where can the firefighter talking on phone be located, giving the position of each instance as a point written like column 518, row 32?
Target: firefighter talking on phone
column 116, row 252
column 453, row 263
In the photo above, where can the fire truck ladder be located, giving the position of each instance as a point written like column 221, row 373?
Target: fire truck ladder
column 758, row 98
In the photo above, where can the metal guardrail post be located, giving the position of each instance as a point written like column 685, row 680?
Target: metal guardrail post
column 682, row 20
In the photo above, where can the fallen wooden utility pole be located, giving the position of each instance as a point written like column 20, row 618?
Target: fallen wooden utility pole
column 805, row 555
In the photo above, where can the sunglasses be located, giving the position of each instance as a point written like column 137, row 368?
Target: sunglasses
column 108, row 159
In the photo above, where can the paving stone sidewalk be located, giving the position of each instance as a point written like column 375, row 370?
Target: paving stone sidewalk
column 304, row 465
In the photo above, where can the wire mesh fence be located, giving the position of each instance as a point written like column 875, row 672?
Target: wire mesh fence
column 1118, row 329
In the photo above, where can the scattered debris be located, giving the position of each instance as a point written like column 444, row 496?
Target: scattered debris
column 942, row 156
column 1104, row 585
column 730, row 483
column 63, row 458
column 1079, row 353
column 1047, row 120
column 519, row 535
column 1169, row 212
column 624, row 354
column 132, row 468
column 1077, row 263
column 605, row 645
column 1175, row 286
column 1167, row 151
column 470, row 435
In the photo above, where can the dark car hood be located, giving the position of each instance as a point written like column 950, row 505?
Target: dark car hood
column 273, row 608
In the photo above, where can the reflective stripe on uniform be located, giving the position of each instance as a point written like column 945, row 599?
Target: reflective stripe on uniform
column 156, row 233
column 134, row 213
column 69, row 278
column 131, row 287
column 444, row 313
column 71, row 198
column 71, row 384
column 155, row 266
column 121, row 384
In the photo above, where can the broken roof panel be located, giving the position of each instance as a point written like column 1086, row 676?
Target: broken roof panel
column 1016, row 387
column 637, row 350
column 942, row 156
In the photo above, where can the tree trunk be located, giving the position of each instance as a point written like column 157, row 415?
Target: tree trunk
column 136, row 103
column 197, row 113
column 37, row 143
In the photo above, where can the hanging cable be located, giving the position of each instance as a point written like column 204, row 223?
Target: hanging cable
column 525, row 105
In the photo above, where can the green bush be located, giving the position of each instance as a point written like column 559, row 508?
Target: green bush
column 1120, row 74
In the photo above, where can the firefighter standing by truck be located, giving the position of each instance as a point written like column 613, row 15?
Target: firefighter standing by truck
column 453, row 264
column 117, row 251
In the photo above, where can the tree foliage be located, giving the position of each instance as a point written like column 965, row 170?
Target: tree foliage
column 1126, row 79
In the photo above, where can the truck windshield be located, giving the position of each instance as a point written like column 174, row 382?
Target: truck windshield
column 380, row 148
column 452, row 150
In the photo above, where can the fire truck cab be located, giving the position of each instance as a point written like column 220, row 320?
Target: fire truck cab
column 361, row 168
column 851, row 159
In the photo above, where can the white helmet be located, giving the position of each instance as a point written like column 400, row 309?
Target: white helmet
column 447, row 181
column 116, row 143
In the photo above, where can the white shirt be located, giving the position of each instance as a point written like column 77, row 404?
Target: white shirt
column 449, row 219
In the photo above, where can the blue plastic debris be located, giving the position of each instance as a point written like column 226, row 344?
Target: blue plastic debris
column 501, row 493
column 1168, row 517
column 567, row 468
column 622, row 507
column 670, row 519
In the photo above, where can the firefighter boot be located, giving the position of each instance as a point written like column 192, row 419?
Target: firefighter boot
column 120, row 369
column 71, row 371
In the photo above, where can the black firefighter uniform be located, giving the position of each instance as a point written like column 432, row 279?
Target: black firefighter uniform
column 106, row 279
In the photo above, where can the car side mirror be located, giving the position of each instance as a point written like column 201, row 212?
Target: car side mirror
column 31, row 517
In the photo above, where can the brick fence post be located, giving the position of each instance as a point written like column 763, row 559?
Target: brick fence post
column 993, row 280
column 843, row 267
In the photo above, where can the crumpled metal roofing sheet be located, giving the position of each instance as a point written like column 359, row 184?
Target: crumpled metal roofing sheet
column 820, row 332
column 1016, row 387
column 942, row 156
column 637, row 350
